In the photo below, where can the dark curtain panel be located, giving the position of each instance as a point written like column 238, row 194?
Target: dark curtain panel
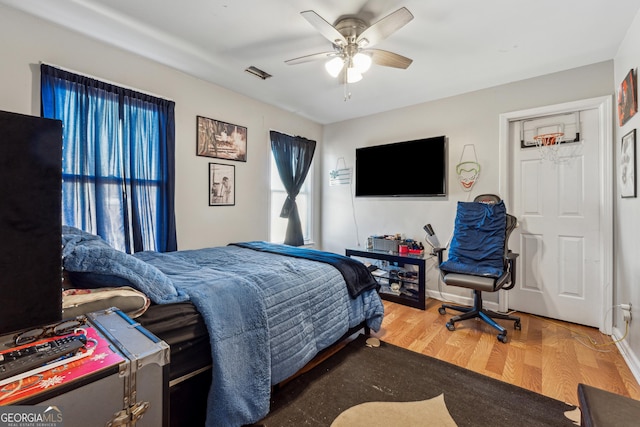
column 293, row 156
column 118, row 160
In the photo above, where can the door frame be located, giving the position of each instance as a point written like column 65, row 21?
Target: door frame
column 604, row 105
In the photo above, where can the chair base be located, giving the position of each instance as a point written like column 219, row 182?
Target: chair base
column 478, row 312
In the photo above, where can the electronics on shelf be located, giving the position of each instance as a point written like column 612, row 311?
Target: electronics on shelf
column 394, row 243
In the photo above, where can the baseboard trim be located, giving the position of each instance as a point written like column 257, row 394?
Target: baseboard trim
column 459, row 299
column 627, row 353
column 446, row 297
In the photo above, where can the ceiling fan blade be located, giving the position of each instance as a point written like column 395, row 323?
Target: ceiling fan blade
column 326, row 29
column 384, row 27
column 312, row 57
column 389, row 59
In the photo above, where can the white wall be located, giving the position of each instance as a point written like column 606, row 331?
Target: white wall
column 471, row 118
column 627, row 214
column 25, row 41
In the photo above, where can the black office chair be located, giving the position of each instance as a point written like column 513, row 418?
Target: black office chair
column 479, row 259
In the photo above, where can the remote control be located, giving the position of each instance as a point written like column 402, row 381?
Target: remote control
column 17, row 354
column 39, row 355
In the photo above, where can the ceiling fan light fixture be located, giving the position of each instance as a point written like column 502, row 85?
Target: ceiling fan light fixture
column 353, row 75
column 334, row 66
column 362, row 62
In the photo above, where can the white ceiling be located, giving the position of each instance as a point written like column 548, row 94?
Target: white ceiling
column 457, row 46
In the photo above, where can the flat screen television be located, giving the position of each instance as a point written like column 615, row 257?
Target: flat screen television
column 415, row 168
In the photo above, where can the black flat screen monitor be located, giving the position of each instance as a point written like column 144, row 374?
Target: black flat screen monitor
column 30, row 221
column 415, row 168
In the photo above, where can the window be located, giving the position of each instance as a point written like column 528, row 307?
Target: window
column 279, row 195
column 118, row 160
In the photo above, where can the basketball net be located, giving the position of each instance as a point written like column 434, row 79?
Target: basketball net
column 548, row 145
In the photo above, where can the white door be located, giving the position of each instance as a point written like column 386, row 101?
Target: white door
column 558, row 201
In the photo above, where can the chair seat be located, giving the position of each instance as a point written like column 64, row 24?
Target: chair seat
column 480, row 283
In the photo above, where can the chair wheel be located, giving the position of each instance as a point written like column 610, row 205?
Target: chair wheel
column 502, row 338
column 451, row 326
column 442, row 310
column 517, row 326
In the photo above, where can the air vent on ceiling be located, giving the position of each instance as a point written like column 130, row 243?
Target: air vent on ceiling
column 258, row 72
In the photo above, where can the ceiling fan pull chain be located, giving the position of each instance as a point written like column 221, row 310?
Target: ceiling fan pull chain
column 347, row 92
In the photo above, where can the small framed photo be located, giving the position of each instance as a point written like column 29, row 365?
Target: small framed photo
column 221, row 140
column 222, row 184
column 628, row 165
column 627, row 98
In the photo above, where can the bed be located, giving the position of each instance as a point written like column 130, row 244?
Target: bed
column 250, row 314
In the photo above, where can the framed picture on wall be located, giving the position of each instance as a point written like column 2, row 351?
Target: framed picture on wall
column 222, row 184
column 221, row 140
column 627, row 98
column 628, row 165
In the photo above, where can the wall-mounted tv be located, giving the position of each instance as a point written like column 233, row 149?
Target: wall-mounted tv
column 415, row 168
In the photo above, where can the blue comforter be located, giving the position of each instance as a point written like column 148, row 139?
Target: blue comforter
column 267, row 315
column 356, row 275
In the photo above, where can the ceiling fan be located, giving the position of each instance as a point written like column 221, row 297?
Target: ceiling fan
column 353, row 40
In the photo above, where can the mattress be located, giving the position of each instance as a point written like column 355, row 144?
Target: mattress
column 181, row 326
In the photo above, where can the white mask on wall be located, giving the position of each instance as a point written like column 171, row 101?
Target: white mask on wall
column 468, row 169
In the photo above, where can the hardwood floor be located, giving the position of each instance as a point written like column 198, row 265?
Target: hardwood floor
column 546, row 356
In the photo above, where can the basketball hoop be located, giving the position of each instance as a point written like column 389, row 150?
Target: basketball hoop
column 547, row 139
column 548, row 144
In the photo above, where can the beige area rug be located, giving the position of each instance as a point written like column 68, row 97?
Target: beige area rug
column 398, row 414
column 434, row 412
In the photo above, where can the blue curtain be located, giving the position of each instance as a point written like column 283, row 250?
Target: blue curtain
column 118, row 160
column 293, row 156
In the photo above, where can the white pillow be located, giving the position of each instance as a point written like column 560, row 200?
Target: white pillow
column 81, row 301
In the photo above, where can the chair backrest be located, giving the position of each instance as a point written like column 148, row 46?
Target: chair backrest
column 512, row 222
column 487, row 198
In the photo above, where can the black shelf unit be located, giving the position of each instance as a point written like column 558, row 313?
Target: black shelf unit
column 397, row 263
